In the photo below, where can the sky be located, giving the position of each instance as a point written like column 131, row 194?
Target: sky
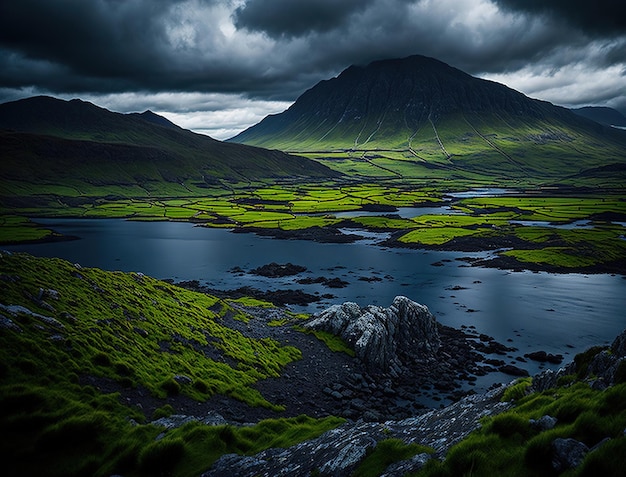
column 220, row 66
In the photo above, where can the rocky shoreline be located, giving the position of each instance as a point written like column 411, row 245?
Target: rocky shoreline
column 339, row 452
column 325, row 383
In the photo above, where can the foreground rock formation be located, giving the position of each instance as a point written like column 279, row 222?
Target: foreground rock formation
column 385, row 339
column 338, row 452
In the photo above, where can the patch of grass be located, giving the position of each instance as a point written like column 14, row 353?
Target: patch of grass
column 205, row 444
column 508, row 445
column 333, row 342
column 160, row 458
column 517, row 390
column 16, row 229
column 436, row 235
column 132, row 329
column 114, row 326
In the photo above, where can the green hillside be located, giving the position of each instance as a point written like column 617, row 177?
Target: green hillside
column 418, row 117
column 91, row 360
column 46, row 143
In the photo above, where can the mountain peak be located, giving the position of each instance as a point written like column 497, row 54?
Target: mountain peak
column 416, row 114
column 387, row 96
column 156, row 119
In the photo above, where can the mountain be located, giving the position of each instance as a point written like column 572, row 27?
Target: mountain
column 44, row 140
column 602, row 115
column 439, row 116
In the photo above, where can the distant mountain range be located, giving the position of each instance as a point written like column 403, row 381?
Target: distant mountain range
column 44, row 140
column 437, row 115
column 602, row 115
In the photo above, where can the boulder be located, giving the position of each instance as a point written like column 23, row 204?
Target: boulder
column 404, row 467
column 382, row 337
column 513, row 370
column 544, row 423
column 277, row 270
column 619, row 345
column 567, row 454
column 338, row 452
column 179, row 420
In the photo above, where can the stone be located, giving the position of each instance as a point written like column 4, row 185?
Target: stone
column 619, row 345
column 182, row 379
column 17, row 309
column 404, row 467
column 513, row 370
column 178, row 420
column 544, row 423
column 544, row 357
column 276, row 270
column 382, row 337
column 8, row 324
column 567, row 453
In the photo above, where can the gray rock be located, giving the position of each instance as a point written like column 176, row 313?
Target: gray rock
column 619, row 345
column 567, row 454
column 338, row 452
column 178, row 420
column 182, row 379
column 379, row 336
column 17, row 309
column 400, row 469
column 8, row 324
column 544, row 423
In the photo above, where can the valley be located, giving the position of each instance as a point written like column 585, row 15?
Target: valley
column 157, row 286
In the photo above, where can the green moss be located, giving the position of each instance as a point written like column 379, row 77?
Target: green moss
column 124, row 327
column 508, row 445
column 333, row 342
column 132, row 329
column 386, row 453
column 517, row 390
column 582, row 360
column 163, row 411
column 162, row 457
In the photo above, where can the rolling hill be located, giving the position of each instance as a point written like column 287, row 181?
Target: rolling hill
column 602, row 115
column 421, row 110
column 46, row 142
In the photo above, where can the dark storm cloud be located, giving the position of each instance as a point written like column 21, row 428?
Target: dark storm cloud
column 270, row 51
column 107, row 45
column 603, row 17
column 289, row 18
column 106, row 38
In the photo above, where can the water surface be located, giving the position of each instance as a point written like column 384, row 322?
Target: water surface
column 536, row 311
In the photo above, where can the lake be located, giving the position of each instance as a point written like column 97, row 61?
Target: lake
column 537, row 311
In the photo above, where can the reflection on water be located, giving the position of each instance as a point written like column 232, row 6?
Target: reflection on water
column 578, row 224
column 557, row 313
column 481, row 192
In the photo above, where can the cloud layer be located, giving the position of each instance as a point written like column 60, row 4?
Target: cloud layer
column 208, row 62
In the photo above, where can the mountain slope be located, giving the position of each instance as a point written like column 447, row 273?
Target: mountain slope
column 49, row 141
column 438, row 115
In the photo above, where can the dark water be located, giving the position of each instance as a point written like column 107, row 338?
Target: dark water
column 538, row 311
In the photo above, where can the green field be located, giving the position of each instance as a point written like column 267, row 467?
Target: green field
column 523, row 223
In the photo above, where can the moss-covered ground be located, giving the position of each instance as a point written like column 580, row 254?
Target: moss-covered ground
column 64, row 326
column 508, row 444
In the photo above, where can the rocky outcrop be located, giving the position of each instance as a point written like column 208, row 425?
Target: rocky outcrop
column 567, row 454
column 277, row 270
column 601, row 367
column 384, row 339
column 179, row 420
column 339, row 451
